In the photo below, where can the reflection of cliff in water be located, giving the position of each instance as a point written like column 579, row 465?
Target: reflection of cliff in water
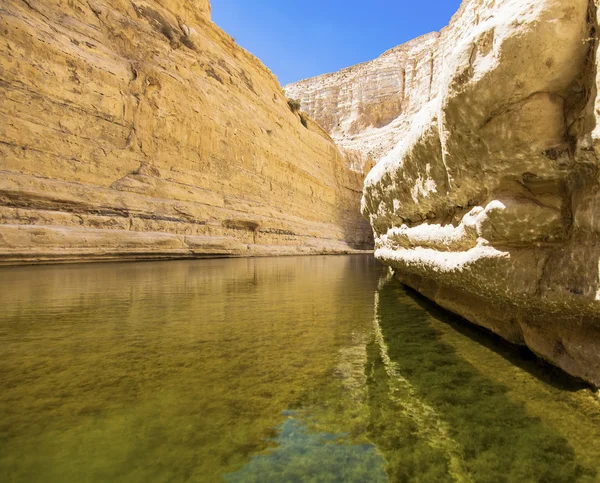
column 453, row 405
column 158, row 371
column 182, row 371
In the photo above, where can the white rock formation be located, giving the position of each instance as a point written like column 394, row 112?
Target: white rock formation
column 366, row 108
column 487, row 186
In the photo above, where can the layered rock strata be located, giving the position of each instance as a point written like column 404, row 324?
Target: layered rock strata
column 139, row 129
column 487, row 189
column 367, row 108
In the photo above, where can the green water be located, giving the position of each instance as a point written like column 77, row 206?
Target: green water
column 270, row 370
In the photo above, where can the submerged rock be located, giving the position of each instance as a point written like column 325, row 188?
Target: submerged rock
column 486, row 190
column 141, row 130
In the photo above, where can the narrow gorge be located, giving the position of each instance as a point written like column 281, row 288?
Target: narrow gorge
column 389, row 273
column 486, row 146
column 140, row 130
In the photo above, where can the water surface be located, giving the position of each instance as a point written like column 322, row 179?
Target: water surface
column 270, row 370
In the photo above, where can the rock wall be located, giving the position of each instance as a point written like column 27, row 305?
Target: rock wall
column 139, row 129
column 367, row 108
column 487, row 202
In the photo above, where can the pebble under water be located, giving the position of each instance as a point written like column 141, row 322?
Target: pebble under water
column 287, row 369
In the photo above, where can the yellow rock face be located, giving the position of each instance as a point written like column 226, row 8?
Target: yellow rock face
column 141, row 130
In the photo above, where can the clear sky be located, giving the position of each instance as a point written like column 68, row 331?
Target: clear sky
column 297, row 39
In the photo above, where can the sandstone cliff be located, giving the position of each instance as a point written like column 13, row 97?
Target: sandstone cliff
column 367, row 108
column 488, row 185
column 140, row 130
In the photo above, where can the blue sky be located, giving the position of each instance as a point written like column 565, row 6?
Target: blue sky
column 297, row 39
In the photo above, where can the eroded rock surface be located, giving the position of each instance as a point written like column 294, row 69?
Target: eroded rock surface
column 486, row 193
column 367, row 108
column 141, row 130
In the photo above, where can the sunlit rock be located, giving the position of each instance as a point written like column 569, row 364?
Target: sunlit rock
column 486, row 190
column 141, row 130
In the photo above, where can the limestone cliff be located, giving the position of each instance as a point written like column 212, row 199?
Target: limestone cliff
column 367, row 108
column 488, row 184
column 138, row 129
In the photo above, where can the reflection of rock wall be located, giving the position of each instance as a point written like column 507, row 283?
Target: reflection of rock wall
column 488, row 204
column 139, row 129
column 112, row 353
column 470, row 407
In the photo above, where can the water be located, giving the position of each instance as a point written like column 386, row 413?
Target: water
column 270, row 370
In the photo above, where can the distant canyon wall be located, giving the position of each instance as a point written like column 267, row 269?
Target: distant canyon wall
column 367, row 108
column 137, row 130
column 486, row 192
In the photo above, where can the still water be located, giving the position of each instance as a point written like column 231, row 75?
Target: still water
column 270, row 370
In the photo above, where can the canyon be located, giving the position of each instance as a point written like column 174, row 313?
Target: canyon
column 459, row 172
column 486, row 146
column 140, row 130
